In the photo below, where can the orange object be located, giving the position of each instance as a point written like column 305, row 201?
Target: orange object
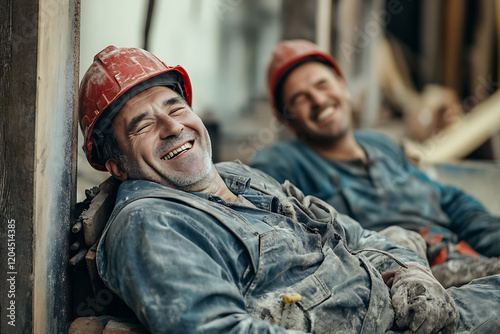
column 465, row 249
column 441, row 257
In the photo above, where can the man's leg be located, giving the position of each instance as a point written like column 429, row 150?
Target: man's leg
column 459, row 271
column 478, row 304
column 406, row 238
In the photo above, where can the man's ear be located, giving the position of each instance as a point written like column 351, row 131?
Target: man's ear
column 115, row 167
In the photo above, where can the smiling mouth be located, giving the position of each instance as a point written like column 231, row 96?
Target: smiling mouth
column 172, row 154
column 327, row 112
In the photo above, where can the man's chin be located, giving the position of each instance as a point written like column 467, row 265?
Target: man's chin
column 190, row 181
column 324, row 140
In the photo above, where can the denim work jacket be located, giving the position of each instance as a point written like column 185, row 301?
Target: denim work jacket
column 192, row 263
column 386, row 190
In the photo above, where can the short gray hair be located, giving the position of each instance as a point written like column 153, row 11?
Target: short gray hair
column 111, row 147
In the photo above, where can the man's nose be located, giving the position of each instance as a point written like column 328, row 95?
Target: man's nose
column 318, row 98
column 169, row 127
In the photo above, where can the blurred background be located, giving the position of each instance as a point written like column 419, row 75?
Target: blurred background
column 423, row 72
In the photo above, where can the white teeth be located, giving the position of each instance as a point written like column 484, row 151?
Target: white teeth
column 170, row 154
column 325, row 113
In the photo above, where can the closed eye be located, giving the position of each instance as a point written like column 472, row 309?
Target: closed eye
column 141, row 128
column 136, row 123
column 298, row 98
column 177, row 111
column 323, row 84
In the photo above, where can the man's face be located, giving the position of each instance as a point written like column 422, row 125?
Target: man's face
column 163, row 140
column 317, row 103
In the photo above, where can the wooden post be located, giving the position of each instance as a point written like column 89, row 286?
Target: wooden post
column 299, row 19
column 18, row 54
column 431, row 42
column 497, row 14
column 324, row 24
column 455, row 15
column 39, row 56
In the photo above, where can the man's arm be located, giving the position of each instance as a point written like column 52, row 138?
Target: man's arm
column 358, row 238
column 468, row 217
column 173, row 276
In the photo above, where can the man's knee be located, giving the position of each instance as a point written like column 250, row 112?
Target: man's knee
column 406, row 238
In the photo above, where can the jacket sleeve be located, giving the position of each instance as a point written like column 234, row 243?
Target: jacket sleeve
column 469, row 219
column 359, row 239
column 173, row 276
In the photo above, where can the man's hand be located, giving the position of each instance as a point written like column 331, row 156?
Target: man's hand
column 420, row 303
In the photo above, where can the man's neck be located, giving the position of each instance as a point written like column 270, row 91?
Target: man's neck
column 223, row 192
column 215, row 185
column 344, row 149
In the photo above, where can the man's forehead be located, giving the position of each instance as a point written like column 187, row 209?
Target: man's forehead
column 155, row 91
column 311, row 69
column 151, row 95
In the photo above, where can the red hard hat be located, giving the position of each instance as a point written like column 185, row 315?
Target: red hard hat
column 115, row 76
column 286, row 55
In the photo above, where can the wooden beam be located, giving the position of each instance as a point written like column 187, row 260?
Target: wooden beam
column 461, row 138
column 18, row 78
column 324, row 24
column 431, row 43
column 55, row 162
column 455, row 18
column 39, row 62
column 497, row 14
column 299, row 19
column 94, row 219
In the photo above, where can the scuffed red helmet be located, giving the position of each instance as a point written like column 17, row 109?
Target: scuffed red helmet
column 115, row 76
column 286, row 55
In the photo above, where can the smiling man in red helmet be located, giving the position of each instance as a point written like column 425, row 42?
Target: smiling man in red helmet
column 366, row 175
column 131, row 148
column 197, row 248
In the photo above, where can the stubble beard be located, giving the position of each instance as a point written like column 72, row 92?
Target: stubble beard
column 323, row 141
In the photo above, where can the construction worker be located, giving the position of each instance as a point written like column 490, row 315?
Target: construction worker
column 197, row 248
column 366, row 175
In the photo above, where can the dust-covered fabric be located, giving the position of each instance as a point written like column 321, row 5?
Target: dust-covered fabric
column 192, row 263
column 421, row 303
column 385, row 191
